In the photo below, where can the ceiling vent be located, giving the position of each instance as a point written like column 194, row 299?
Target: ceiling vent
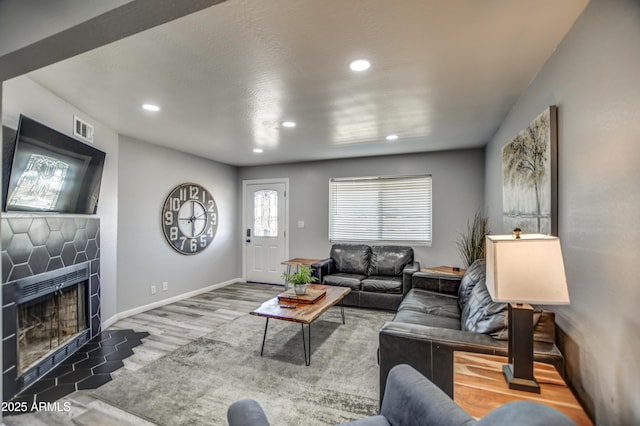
column 82, row 129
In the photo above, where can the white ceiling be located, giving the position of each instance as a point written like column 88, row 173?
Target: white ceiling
column 444, row 75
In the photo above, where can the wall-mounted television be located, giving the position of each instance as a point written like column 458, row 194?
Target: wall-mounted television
column 48, row 171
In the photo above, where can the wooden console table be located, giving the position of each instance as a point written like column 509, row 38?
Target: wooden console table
column 479, row 387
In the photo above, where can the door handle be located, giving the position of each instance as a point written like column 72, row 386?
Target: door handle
column 248, row 240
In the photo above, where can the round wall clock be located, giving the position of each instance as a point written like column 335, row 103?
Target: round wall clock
column 189, row 218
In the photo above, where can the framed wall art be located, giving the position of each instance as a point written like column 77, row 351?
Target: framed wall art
column 530, row 177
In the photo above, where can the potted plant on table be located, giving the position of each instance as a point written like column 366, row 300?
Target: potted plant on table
column 300, row 279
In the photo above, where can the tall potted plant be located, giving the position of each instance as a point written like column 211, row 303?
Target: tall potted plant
column 471, row 242
column 300, row 279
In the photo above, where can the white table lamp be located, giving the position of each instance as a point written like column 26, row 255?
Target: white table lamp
column 524, row 269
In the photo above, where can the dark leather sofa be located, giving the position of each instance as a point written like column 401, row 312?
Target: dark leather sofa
column 379, row 276
column 430, row 325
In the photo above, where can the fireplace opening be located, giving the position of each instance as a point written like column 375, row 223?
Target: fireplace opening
column 49, row 322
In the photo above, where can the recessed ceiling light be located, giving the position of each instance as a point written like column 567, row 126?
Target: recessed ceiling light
column 151, row 107
column 360, row 65
column 288, row 124
column 258, row 150
column 392, row 137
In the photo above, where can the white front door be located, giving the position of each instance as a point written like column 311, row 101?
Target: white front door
column 265, row 233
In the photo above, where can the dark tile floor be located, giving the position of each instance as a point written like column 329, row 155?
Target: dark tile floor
column 90, row 367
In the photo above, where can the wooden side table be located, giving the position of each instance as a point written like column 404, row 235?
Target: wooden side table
column 445, row 270
column 297, row 262
column 479, row 387
column 443, row 279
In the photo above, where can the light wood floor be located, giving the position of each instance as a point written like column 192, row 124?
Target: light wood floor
column 170, row 327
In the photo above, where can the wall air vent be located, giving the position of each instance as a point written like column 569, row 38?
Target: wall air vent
column 82, row 129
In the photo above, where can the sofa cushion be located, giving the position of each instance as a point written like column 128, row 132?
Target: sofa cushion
column 409, row 316
column 382, row 284
column 482, row 315
column 475, row 273
column 389, row 260
column 351, row 258
column 431, row 303
column 353, row 281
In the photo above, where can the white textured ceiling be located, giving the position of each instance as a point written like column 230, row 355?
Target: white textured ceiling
column 444, row 75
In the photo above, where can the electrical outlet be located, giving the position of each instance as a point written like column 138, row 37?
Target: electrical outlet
column 153, row 289
column 165, row 286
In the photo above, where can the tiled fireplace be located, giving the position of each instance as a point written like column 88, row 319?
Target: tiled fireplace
column 50, row 293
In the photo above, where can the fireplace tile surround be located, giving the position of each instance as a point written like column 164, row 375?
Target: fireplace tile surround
column 39, row 244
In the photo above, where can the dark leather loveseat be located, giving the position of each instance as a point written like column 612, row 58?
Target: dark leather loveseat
column 379, row 276
column 430, row 325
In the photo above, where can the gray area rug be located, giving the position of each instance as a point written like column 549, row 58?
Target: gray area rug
column 196, row 383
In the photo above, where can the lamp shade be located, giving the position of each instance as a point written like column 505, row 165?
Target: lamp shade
column 528, row 269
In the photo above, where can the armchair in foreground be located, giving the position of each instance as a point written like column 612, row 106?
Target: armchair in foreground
column 410, row 399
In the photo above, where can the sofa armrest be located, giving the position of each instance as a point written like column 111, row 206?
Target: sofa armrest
column 323, row 268
column 430, row 351
column 407, row 275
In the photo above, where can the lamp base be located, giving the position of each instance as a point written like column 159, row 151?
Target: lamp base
column 519, row 371
column 517, row 383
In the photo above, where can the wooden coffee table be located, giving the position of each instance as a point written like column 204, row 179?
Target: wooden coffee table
column 303, row 313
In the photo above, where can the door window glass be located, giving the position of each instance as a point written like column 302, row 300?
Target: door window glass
column 265, row 214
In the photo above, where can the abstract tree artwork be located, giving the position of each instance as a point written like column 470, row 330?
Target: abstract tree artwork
column 529, row 177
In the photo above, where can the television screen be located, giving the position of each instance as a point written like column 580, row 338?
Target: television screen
column 51, row 172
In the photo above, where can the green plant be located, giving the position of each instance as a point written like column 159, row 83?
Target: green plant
column 471, row 242
column 304, row 275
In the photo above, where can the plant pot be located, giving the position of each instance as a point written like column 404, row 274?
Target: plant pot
column 300, row 289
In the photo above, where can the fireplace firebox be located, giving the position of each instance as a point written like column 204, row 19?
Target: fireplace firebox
column 49, row 322
column 51, row 314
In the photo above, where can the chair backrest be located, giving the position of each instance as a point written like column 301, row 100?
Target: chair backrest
column 525, row 413
column 410, row 399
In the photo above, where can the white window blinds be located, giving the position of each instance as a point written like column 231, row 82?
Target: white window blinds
column 389, row 209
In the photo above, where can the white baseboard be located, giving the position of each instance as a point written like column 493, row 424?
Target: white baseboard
column 110, row 321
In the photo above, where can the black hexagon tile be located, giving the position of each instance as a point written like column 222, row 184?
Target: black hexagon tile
column 89, row 368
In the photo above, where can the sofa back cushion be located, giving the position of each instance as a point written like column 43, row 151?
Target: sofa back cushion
column 475, row 274
column 389, row 260
column 482, row 315
column 351, row 258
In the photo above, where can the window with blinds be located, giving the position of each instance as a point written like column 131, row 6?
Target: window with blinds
column 385, row 209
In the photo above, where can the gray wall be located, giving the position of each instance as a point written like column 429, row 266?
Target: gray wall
column 594, row 79
column 457, row 193
column 147, row 173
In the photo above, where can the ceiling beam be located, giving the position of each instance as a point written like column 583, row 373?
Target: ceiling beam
column 116, row 24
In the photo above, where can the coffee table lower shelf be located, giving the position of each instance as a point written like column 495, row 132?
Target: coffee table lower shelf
column 303, row 313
